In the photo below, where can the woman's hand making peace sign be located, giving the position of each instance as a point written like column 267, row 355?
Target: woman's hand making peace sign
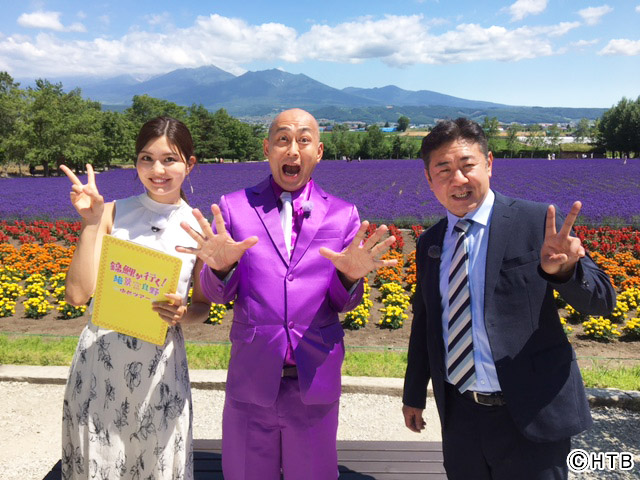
column 85, row 198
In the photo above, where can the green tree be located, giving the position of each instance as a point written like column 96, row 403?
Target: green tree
column 582, row 131
column 403, row 123
column 82, row 121
column 12, row 110
column 491, row 127
column 535, row 138
column 341, row 143
column 401, row 147
column 553, row 137
column 244, row 142
column 619, row 127
column 373, row 144
column 118, row 139
column 207, row 139
column 234, row 139
column 60, row 128
column 144, row 107
column 513, row 142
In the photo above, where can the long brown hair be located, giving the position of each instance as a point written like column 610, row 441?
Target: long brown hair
column 176, row 132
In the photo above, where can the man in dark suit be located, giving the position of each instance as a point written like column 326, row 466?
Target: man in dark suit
column 486, row 331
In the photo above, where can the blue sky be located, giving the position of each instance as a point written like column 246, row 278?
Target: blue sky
column 571, row 53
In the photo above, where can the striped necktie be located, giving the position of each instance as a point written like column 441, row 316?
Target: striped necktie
column 460, row 366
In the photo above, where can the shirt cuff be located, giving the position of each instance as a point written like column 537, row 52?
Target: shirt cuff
column 354, row 286
column 226, row 279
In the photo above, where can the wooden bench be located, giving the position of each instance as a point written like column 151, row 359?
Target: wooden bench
column 358, row 460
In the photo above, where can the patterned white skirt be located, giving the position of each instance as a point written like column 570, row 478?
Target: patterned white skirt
column 127, row 409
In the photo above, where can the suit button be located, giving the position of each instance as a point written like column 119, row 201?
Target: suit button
column 220, row 288
column 290, row 277
column 291, row 325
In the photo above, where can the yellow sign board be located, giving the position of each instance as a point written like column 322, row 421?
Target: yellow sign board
column 130, row 277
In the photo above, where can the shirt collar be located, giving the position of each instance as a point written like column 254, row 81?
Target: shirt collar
column 303, row 192
column 480, row 215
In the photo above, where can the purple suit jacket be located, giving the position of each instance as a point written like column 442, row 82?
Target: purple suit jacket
column 275, row 295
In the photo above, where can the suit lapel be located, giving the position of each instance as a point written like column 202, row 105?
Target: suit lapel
column 310, row 224
column 502, row 218
column 264, row 202
column 434, row 305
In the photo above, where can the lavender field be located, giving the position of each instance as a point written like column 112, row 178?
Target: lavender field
column 383, row 190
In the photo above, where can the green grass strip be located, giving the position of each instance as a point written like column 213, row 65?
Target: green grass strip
column 43, row 350
column 605, row 376
column 374, row 364
column 37, row 350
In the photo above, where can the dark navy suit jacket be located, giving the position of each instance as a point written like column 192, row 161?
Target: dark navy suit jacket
column 535, row 363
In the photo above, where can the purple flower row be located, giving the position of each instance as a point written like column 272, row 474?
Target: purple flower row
column 383, row 190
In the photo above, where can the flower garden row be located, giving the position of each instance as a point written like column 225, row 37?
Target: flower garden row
column 34, row 275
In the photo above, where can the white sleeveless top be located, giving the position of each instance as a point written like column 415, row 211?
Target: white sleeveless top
column 157, row 225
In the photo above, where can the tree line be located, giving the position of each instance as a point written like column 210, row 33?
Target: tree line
column 45, row 127
column 616, row 134
column 619, row 128
column 371, row 143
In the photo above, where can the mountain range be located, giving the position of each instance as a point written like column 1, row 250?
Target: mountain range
column 260, row 94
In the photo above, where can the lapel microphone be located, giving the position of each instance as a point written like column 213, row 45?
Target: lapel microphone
column 160, row 223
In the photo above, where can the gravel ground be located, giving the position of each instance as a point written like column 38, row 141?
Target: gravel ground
column 30, row 422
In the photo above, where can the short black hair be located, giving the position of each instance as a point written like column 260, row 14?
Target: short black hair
column 447, row 131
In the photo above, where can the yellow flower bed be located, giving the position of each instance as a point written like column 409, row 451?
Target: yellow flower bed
column 632, row 328
column 600, row 328
column 359, row 316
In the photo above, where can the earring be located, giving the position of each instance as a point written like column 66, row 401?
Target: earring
column 190, row 185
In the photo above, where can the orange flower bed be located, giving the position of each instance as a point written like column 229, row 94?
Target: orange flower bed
column 411, row 271
column 390, row 274
column 47, row 259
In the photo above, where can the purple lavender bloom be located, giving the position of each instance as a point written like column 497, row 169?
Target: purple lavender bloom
column 383, row 190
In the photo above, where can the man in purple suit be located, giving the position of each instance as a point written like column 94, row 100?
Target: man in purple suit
column 292, row 257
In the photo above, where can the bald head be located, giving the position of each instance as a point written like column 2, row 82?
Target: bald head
column 295, row 115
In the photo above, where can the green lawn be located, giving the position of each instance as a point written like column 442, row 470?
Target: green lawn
column 52, row 350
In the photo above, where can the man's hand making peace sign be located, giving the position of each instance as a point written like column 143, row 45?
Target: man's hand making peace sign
column 560, row 251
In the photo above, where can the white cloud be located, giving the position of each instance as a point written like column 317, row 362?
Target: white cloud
column 638, row 9
column 76, row 27
column 621, row 46
column 584, row 43
column 231, row 43
column 159, row 19
column 386, row 40
column 43, row 20
column 523, row 8
column 47, row 21
column 593, row 15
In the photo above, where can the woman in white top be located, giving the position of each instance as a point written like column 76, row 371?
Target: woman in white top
column 127, row 406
